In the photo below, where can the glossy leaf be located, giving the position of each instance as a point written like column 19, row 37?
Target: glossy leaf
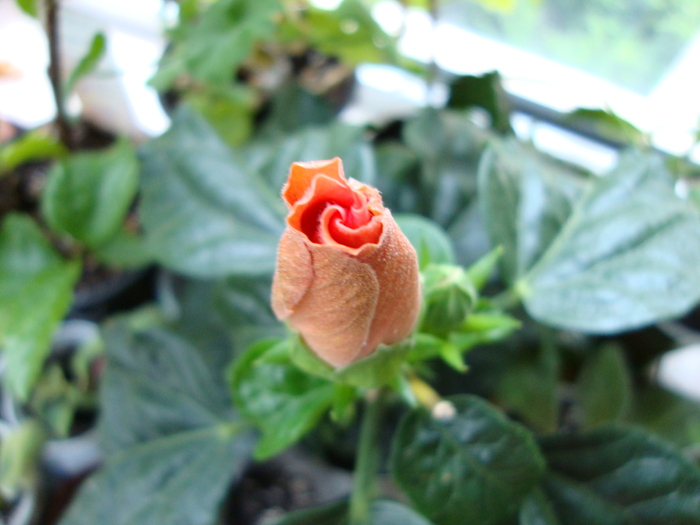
column 524, row 201
column 608, row 125
column 620, row 476
column 471, row 466
column 281, row 400
column 382, row 512
column 203, row 213
column 605, row 386
column 176, row 479
column 626, row 257
column 537, row 510
column 87, row 195
column 36, row 290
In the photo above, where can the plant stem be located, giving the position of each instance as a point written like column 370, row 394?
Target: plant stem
column 367, row 460
column 64, row 130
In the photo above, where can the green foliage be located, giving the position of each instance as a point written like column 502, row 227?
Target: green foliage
column 87, row 195
column 20, row 450
column 89, row 62
column 617, row 476
column 32, row 146
column 211, row 46
column 30, row 7
column 485, row 92
column 204, row 214
column 605, row 386
column 430, row 241
column 609, row 125
column 36, row 289
column 382, row 512
column 468, row 464
column 448, row 297
column 173, row 442
column 284, row 402
column 625, row 257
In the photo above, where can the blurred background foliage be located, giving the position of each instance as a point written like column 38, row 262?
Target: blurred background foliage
column 572, row 285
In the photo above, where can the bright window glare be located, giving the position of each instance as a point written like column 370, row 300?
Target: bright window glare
column 670, row 112
column 326, row 4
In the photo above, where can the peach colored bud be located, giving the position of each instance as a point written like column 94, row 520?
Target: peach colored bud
column 347, row 277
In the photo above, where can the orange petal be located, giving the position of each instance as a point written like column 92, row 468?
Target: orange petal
column 301, row 175
column 293, row 274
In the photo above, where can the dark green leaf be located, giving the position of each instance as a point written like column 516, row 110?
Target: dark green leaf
column 485, row 92
column 537, row 510
column 626, row 257
column 529, row 387
column 88, row 63
column 36, row 289
column 608, row 125
column 284, row 402
column 525, row 201
column 675, row 418
column 124, row 250
column 430, row 241
column 385, row 512
column 470, row 466
column 620, row 476
column 203, row 213
column 294, row 108
column 34, row 145
column 605, row 386
column 157, row 384
column 176, row 479
column 87, row 195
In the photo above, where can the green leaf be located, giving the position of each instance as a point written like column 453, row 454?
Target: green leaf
column 377, row 369
column 88, row 63
column 432, row 244
column 349, row 33
column 31, row 7
column 34, row 145
column 156, row 384
column 331, row 514
column 620, row 476
column 167, row 424
column 284, row 402
column 481, row 270
column 20, row 454
column 449, row 147
column 124, row 250
column 605, row 386
column 36, row 290
column 272, row 155
column 529, row 385
column 673, row 417
column 486, row 92
column 212, row 47
column 87, row 195
column 525, row 200
column 382, row 512
column 228, row 110
column 180, row 478
column 608, row 125
column 471, row 466
column 537, row 510
column 626, row 257
column 448, row 297
column 294, row 108
column 203, row 213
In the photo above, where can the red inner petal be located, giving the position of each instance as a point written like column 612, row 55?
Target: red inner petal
column 336, row 214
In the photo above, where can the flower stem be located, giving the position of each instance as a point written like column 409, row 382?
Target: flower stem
column 367, row 460
column 64, row 128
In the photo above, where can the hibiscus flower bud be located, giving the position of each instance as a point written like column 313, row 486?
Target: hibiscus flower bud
column 346, row 277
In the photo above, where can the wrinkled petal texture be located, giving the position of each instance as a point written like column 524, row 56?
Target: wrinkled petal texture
column 346, row 276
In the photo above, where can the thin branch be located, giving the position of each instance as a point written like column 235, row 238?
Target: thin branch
column 64, row 128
